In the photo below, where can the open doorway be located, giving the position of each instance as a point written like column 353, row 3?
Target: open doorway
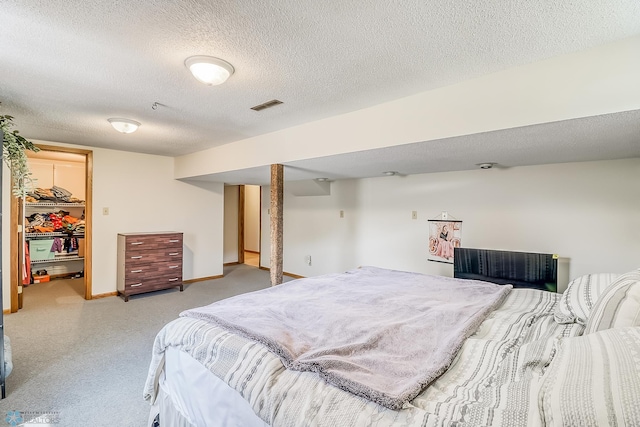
column 51, row 228
column 251, row 237
column 242, row 224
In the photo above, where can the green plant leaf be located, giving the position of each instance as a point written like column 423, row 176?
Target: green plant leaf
column 14, row 147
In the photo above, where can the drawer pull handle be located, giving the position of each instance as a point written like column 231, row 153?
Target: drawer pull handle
column 173, row 280
column 174, row 253
column 137, row 243
column 136, row 257
column 136, row 271
column 139, row 284
column 174, row 266
column 174, row 241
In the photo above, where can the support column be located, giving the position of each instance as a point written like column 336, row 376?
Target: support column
column 277, row 186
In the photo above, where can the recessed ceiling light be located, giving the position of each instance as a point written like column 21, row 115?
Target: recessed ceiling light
column 322, row 179
column 209, row 70
column 487, row 165
column 390, row 173
column 124, row 125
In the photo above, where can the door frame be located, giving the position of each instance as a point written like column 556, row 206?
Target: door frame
column 240, row 224
column 241, row 209
column 16, row 248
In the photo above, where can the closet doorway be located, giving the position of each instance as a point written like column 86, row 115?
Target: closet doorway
column 64, row 178
column 249, row 230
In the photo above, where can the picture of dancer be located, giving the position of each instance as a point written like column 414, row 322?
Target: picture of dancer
column 443, row 237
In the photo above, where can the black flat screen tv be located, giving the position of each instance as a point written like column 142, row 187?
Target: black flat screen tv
column 520, row 269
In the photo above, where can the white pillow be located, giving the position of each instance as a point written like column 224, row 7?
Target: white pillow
column 618, row 306
column 577, row 301
column 593, row 381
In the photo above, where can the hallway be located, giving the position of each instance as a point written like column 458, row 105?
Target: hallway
column 252, row 258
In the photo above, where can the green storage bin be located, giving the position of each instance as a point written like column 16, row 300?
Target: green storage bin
column 41, row 249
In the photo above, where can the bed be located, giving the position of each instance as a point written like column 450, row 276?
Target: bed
column 532, row 358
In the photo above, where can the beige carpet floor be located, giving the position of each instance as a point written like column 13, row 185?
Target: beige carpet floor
column 87, row 361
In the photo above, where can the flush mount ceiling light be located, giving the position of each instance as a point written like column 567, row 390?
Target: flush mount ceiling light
column 390, row 173
column 322, row 179
column 124, row 125
column 209, row 70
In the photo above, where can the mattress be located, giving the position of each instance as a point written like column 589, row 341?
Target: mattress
column 188, row 389
column 494, row 379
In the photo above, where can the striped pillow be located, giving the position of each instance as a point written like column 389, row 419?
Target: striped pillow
column 618, row 306
column 593, row 381
column 577, row 301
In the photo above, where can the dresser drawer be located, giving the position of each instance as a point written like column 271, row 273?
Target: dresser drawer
column 168, row 255
column 151, row 271
column 152, row 284
column 153, row 243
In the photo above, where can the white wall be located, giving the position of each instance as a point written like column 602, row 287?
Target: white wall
column 588, row 213
column 231, row 195
column 142, row 195
column 252, row 218
column 312, row 226
column 66, row 174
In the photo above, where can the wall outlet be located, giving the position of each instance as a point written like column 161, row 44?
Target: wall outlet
column 414, row 214
column 307, row 259
column 105, row 211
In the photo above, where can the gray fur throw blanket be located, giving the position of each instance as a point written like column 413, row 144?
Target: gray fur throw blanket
column 377, row 333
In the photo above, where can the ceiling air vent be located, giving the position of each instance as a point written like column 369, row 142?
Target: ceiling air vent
column 266, row 105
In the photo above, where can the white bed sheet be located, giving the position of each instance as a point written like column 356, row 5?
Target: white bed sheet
column 201, row 397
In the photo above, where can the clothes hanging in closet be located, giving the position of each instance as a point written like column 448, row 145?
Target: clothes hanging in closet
column 26, row 266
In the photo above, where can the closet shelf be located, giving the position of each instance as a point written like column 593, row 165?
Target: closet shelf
column 58, row 259
column 30, row 236
column 53, row 205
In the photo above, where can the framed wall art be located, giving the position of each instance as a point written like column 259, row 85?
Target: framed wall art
column 444, row 235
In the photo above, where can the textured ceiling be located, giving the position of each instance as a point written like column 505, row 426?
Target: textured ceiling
column 67, row 66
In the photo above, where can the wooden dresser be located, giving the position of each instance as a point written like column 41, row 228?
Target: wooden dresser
column 149, row 262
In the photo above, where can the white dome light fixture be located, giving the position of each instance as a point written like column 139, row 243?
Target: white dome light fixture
column 209, row 70
column 124, row 125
